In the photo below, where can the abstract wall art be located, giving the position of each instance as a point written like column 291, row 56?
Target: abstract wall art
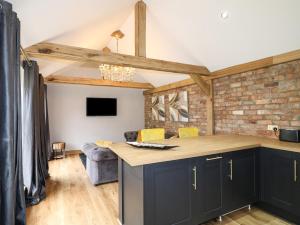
column 158, row 108
column 178, row 106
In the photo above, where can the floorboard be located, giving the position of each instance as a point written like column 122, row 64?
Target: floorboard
column 72, row 200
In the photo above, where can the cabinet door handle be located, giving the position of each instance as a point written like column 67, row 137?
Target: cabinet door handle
column 195, row 177
column 216, row 158
column 295, row 171
column 231, row 168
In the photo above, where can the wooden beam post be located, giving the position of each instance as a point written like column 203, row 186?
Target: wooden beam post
column 205, row 87
column 140, row 29
column 210, row 111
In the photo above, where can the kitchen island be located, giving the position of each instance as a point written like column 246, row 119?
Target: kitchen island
column 207, row 177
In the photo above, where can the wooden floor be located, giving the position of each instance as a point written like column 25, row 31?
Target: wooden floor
column 72, row 200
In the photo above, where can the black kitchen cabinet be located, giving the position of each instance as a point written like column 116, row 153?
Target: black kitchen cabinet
column 167, row 191
column 296, row 198
column 280, row 185
column 206, row 188
column 277, row 168
column 193, row 191
column 240, row 187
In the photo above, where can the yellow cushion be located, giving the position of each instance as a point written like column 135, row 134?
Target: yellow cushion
column 188, row 132
column 104, row 144
column 151, row 134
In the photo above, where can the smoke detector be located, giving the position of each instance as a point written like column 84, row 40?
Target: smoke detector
column 224, row 15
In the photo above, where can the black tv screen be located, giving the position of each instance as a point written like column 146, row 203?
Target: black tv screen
column 101, row 106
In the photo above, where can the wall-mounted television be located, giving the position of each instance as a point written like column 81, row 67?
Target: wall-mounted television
column 101, row 106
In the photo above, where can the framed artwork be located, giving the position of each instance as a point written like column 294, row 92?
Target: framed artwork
column 158, row 108
column 178, row 106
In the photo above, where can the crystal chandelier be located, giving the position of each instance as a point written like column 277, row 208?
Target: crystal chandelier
column 116, row 73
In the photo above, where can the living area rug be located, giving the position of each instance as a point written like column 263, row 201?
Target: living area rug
column 82, row 157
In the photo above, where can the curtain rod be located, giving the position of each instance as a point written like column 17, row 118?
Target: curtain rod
column 25, row 55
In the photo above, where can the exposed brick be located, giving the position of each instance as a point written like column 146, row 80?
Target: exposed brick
column 280, row 100
column 294, row 99
column 272, row 106
column 263, row 112
column 244, row 103
column 248, row 102
column 294, row 105
column 296, row 117
column 265, row 122
column 282, row 123
column 298, row 83
column 238, row 112
column 263, row 101
column 271, row 84
column 287, row 85
column 295, row 123
column 272, row 117
column 234, row 85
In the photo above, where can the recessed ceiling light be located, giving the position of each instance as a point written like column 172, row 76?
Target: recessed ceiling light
column 224, row 15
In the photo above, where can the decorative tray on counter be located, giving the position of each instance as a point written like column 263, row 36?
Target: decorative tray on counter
column 151, row 145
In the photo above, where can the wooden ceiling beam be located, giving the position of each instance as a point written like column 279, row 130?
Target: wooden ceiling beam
column 178, row 84
column 210, row 127
column 64, row 52
column 257, row 64
column 286, row 57
column 95, row 82
column 140, row 29
column 245, row 67
column 202, row 84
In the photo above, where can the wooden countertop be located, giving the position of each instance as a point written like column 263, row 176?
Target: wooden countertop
column 194, row 147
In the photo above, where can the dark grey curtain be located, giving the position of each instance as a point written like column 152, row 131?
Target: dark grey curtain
column 35, row 135
column 12, row 204
column 47, row 134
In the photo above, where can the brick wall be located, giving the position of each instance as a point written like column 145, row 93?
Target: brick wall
column 244, row 103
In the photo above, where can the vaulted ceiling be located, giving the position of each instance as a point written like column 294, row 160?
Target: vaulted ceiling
column 188, row 31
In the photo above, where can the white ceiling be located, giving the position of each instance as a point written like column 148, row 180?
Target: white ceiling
column 189, row 31
column 83, row 23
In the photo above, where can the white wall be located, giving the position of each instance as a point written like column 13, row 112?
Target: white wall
column 69, row 123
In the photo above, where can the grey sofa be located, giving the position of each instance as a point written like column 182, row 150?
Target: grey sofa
column 101, row 164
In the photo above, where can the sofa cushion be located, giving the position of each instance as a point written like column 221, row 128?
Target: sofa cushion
column 103, row 144
column 96, row 153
